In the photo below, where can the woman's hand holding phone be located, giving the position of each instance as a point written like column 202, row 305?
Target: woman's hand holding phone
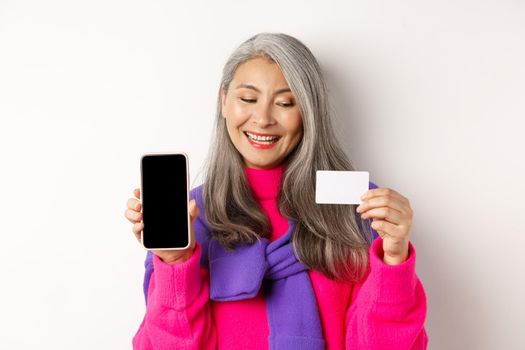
column 134, row 215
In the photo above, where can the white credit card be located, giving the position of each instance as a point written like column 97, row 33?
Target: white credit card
column 340, row 187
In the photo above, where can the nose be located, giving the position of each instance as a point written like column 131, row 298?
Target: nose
column 263, row 116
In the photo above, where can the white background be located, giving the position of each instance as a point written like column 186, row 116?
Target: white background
column 433, row 93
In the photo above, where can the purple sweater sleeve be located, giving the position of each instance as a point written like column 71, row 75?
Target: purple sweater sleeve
column 178, row 312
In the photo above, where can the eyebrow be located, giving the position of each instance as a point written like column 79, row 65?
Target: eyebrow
column 248, row 86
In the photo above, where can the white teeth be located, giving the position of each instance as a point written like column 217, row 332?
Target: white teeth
column 262, row 138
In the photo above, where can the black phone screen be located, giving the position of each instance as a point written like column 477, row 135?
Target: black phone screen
column 164, row 201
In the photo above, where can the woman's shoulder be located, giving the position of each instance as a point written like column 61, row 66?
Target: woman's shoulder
column 196, row 190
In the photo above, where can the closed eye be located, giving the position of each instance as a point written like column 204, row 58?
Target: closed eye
column 252, row 101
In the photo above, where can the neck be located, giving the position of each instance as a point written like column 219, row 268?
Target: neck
column 265, row 183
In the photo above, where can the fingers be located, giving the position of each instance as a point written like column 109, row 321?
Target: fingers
column 381, row 201
column 137, row 229
column 384, row 191
column 134, row 204
column 386, row 207
column 133, row 215
column 384, row 228
column 391, row 215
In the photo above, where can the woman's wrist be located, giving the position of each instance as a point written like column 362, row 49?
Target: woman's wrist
column 396, row 259
column 180, row 259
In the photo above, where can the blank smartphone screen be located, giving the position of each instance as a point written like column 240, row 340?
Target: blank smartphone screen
column 164, row 201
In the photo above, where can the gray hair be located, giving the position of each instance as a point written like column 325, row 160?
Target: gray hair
column 328, row 238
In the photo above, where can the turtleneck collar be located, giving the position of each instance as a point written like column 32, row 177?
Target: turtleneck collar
column 265, row 183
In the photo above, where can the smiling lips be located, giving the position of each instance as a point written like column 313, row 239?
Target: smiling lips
column 259, row 136
column 262, row 141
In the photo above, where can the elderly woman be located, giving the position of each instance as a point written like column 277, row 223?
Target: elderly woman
column 267, row 266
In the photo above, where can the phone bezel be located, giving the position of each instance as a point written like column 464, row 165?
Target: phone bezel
column 187, row 195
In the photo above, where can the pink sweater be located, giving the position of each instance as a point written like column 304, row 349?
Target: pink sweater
column 386, row 310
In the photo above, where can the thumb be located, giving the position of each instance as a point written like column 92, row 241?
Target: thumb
column 194, row 213
column 194, row 210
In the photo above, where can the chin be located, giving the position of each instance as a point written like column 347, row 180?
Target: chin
column 266, row 165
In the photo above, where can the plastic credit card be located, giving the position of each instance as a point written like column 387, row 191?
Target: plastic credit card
column 340, row 187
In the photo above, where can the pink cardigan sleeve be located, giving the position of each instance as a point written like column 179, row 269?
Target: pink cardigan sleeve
column 178, row 313
column 388, row 308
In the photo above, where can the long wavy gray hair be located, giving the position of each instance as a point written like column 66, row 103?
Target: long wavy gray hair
column 328, row 238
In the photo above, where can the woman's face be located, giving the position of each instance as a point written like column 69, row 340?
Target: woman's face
column 260, row 103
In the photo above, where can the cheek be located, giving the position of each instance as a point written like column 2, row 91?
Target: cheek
column 293, row 124
column 236, row 114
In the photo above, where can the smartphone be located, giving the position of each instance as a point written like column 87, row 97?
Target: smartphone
column 165, row 201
